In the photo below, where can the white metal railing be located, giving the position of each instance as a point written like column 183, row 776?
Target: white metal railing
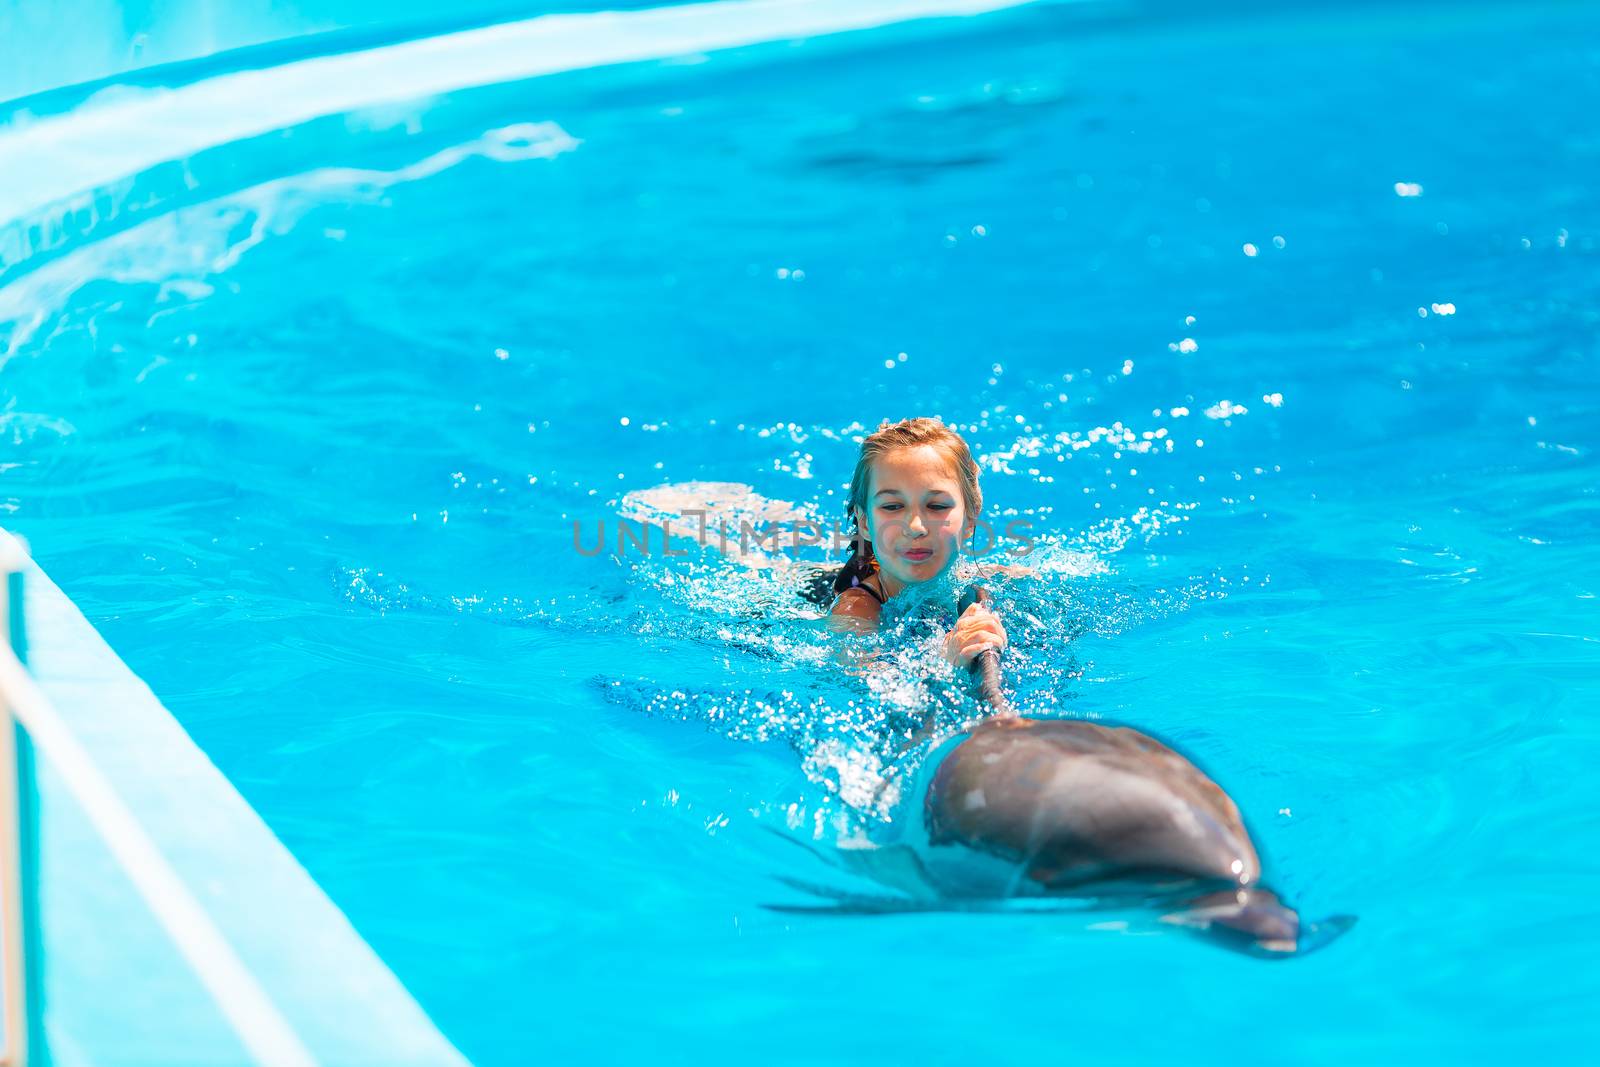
column 18, row 840
column 28, row 722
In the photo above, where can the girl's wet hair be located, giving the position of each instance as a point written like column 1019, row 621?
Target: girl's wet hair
column 908, row 433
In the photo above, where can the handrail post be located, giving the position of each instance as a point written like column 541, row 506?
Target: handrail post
column 20, row 949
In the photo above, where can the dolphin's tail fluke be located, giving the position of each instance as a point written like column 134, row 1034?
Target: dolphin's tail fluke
column 1256, row 922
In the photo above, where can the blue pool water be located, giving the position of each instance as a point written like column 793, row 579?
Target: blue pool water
column 308, row 450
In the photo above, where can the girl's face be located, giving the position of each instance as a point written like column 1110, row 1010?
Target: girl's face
column 915, row 516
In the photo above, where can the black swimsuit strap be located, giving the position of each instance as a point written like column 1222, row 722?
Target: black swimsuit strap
column 874, row 592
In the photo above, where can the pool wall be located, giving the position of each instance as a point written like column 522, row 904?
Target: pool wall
column 123, row 154
column 105, row 38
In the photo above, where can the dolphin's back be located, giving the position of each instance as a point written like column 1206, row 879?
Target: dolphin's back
column 1074, row 803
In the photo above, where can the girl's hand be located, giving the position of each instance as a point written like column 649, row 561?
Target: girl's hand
column 977, row 629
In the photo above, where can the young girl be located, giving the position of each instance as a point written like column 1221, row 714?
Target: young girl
column 914, row 497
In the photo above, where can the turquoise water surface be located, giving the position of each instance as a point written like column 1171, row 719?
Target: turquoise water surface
column 1282, row 334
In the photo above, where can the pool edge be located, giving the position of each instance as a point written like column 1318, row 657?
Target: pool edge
column 340, row 999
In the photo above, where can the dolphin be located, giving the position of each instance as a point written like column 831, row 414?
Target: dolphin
column 1023, row 807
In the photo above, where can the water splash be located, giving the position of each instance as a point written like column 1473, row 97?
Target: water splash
column 860, row 711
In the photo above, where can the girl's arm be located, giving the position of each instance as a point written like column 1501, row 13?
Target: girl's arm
column 855, row 612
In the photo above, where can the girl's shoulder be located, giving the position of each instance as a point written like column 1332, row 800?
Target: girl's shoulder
column 858, row 607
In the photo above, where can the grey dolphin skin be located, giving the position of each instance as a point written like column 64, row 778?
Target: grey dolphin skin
column 1074, row 806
